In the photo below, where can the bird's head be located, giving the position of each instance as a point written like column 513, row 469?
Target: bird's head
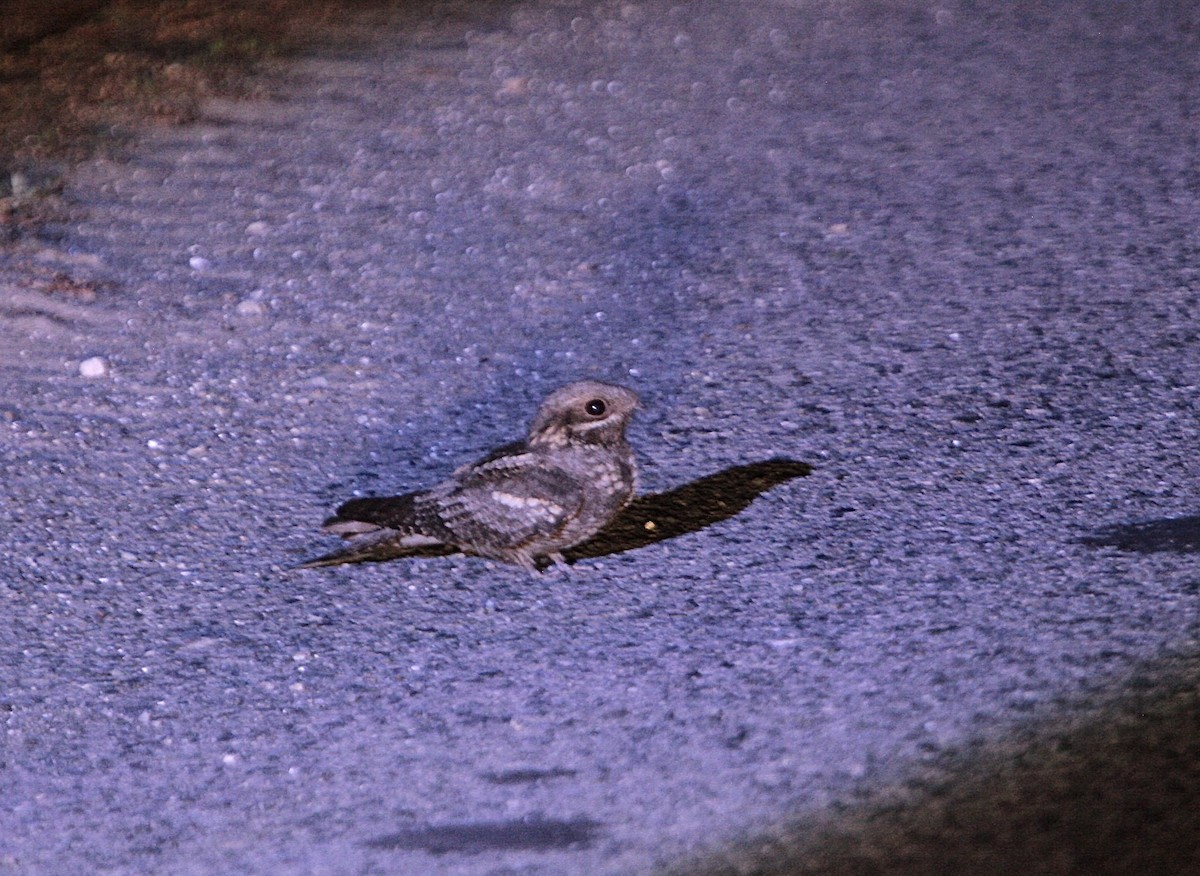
column 587, row 411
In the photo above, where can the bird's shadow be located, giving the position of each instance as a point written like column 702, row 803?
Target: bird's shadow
column 689, row 508
column 1179, row 534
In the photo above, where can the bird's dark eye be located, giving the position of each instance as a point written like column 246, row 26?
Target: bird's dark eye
column 595, row 407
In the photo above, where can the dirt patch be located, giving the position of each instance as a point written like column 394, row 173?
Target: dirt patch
column 71, row 80
column 79, row 77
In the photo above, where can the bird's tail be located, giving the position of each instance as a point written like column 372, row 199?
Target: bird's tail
column 380, row 546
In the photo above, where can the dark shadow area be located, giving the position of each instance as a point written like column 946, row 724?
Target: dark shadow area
column 1181, row 534
column 528, row 776
column 533, row 834
column 690, row 508
column 648, row 519
column 1114, row 789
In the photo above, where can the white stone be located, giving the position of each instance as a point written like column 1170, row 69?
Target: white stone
column 96, row 366
column 250, row 307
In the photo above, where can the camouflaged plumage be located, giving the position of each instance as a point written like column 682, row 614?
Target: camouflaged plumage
column 526, row 500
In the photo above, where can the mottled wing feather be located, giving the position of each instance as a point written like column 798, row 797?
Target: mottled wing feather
column 509, row 502
column 512, row 448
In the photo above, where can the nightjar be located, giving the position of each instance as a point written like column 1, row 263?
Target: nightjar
column 523, row 501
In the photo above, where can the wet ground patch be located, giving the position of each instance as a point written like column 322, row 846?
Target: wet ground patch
column 533, row 834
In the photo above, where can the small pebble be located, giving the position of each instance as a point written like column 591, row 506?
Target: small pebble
column 96, row 366
column 199, row 263
column 257, row 229
column 250, row 307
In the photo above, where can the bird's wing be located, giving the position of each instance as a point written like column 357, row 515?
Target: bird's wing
column 401, row 512
column 509, row 501
column 373, row 512
column 512, row 449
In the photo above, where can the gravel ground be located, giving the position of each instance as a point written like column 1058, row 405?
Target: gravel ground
column 947, row 255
